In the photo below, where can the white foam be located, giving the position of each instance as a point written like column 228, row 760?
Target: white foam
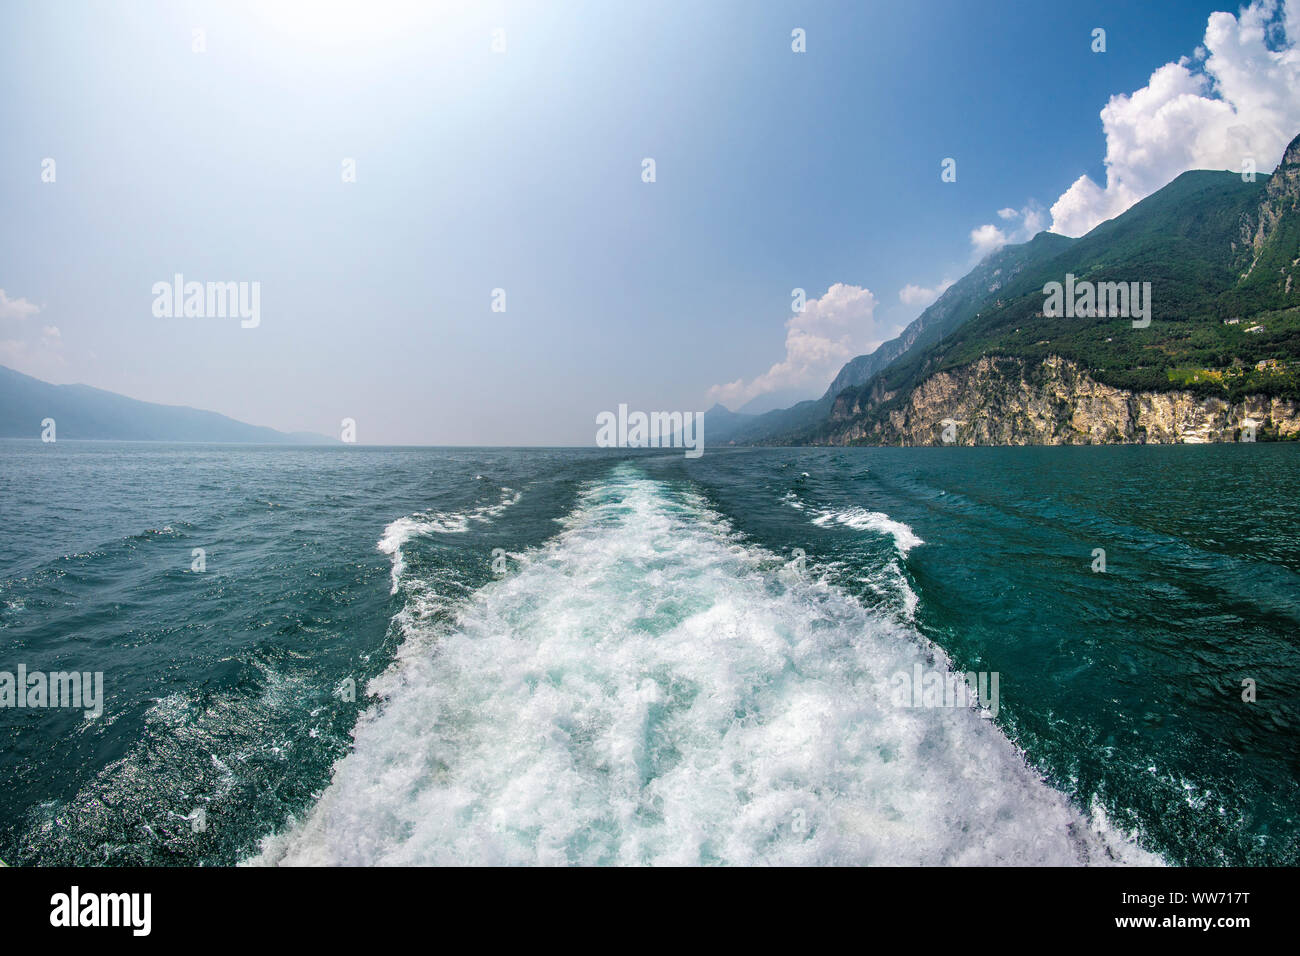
column 860, row 519
column 889, row 582
column 647, row 690
column 404, row 529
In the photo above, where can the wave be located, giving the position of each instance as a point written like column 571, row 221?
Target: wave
column 646, row 689
column 405, row 529
column 860, row 519
column 887, row 580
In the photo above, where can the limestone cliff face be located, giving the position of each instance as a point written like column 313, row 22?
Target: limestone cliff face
column 1005, row 401
column 1281, row 197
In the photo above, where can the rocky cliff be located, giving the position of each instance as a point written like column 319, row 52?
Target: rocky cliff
column 1219, row 358
column 1009, row 401
column 1268, row 226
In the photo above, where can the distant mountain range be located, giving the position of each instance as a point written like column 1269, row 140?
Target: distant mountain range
column 1222, row 256
column 82, row 412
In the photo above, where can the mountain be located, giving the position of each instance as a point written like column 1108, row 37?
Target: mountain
column 772, row 401
column 959, row 302
column 1221, row 257
column 82, row 412
column 720, row 423
column 1219, row 359
column 778, row 427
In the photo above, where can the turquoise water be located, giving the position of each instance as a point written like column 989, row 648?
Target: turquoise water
column 573, row 656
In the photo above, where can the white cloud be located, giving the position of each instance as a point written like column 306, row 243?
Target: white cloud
column 41, row 359
column 16, row 308
column 36, row 353
column 1235, row 98
column 1033, row 220
column 915, row 295
column 818, row 341
column 1028, row 221
column 987, row 238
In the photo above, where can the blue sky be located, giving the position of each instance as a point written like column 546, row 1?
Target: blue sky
column 522, row 170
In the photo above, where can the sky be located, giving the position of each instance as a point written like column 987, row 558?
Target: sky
column 446, row 210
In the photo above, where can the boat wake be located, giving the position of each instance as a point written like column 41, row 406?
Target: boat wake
column 649, row 688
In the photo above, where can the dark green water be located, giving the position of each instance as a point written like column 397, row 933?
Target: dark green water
column 647, row 675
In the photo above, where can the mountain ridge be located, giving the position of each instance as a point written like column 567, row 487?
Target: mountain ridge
column 1219, row 253
column 84, row 412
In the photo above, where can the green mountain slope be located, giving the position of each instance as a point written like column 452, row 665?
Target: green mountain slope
column 1221, row 256
column 959, row 303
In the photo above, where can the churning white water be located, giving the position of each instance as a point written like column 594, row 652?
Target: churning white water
column 649, row 689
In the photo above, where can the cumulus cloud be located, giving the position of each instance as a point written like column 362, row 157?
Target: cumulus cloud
column 915, row 295
column 16, row 308
column 987, row 238
column 1033, row 220
column 1234, row 99
column 818, row 341
column 1023, row 225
